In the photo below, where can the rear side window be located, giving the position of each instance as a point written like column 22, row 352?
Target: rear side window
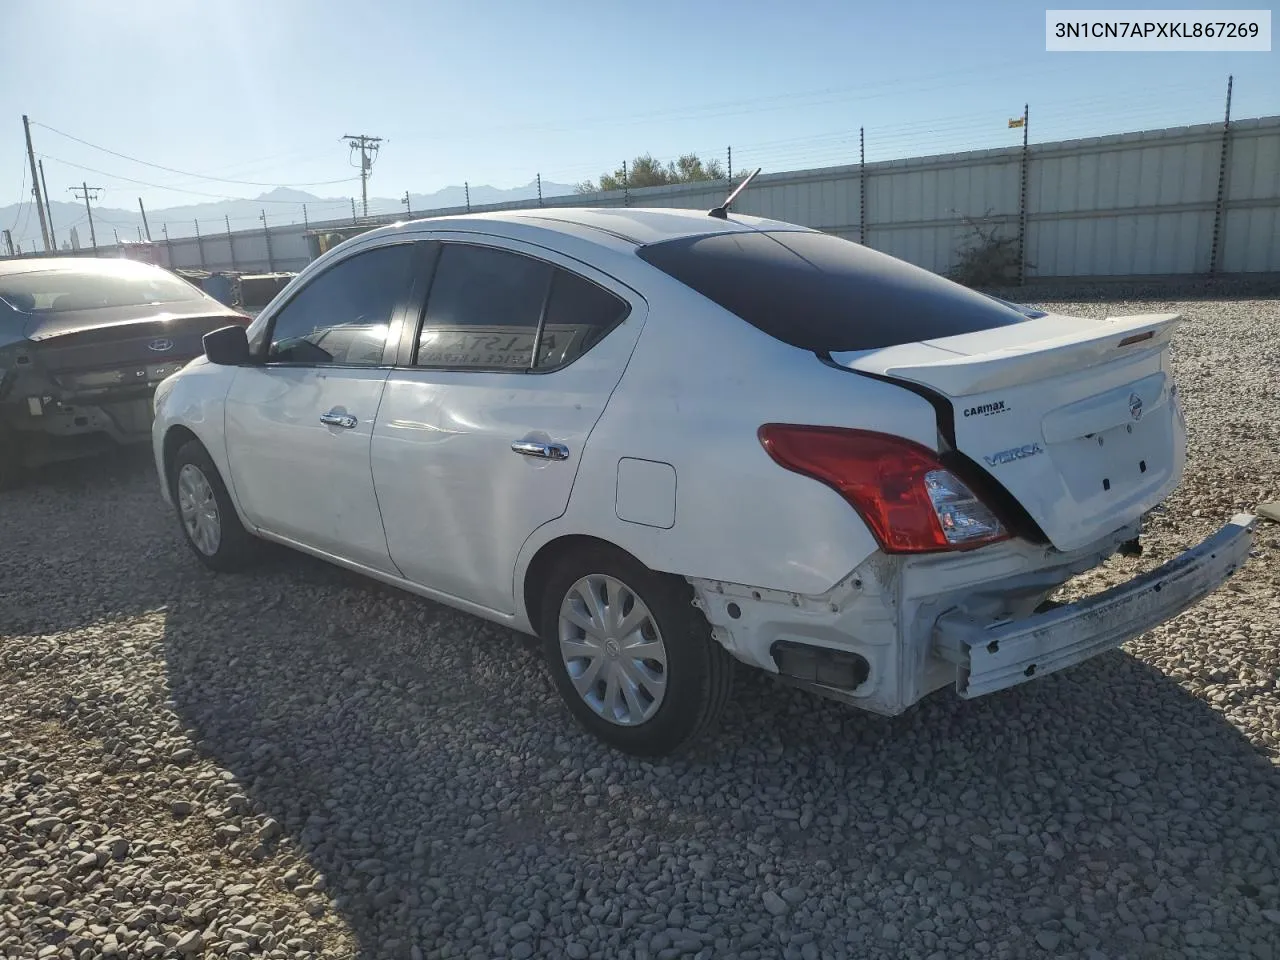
column 483, row 309
column 579, row 313
column 821, row 293
column 491, row 309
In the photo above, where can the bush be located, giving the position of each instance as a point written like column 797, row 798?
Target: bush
column 989, row 258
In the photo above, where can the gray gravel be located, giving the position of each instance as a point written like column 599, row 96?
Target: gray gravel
column 302, row 763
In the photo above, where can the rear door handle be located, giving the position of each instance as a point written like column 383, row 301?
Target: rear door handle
column 546, row 451
column 334, row 419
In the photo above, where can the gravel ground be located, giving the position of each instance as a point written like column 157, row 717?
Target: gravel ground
column 302, row 763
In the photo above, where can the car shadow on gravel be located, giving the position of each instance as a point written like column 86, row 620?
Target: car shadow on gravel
column 416, row 766
column 421, row 761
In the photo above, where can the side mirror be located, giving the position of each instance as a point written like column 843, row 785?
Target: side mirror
column 227, row 346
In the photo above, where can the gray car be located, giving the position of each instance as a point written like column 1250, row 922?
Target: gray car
column 83, row 343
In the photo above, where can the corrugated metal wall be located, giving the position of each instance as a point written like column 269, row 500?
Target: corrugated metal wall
column 1136, row 204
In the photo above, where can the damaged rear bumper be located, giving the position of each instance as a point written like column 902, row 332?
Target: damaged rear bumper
column 992, row 657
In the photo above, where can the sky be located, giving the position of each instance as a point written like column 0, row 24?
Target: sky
column 239, row 96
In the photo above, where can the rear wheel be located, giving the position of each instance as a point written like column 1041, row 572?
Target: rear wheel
column 632, row 658
column 206, row 514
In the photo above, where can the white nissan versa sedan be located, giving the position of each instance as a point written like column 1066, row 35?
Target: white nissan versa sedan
column 665, row 441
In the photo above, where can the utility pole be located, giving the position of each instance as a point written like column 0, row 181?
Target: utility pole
column 731, row 163
column 467, row 187
column 368, row 147
column 35, row 180
column 87, row 193
column 53, row 241
column 8, row 242
column 143, row 211
column 626, row 186
column 539, row 189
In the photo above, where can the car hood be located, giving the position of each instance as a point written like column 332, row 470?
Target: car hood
column 42, row 326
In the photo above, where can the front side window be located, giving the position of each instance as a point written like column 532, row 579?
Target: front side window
column 344, row 315
column 488, row 308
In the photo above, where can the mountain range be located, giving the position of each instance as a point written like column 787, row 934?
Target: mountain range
column 281, row 205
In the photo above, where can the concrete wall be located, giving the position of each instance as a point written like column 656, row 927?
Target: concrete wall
column 1134, row 204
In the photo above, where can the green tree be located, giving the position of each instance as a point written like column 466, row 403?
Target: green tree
column 645, row 171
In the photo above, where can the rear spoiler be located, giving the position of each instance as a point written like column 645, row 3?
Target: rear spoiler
column 1022, row 353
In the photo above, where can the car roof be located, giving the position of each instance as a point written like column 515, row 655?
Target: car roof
column 637, row 226
column 70, row 264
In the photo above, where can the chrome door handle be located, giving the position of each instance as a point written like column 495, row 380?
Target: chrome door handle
column 332, row 419
column 547, row 451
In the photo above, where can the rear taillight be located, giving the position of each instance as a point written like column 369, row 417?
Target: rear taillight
column 911, row 502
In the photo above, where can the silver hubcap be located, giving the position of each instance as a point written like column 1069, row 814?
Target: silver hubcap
column 613, row 650
column 199, row 509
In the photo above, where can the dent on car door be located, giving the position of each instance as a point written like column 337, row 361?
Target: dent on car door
column 481, row 431
column 299, row 424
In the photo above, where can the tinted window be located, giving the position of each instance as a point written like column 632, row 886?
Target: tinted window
column 483, row 309
column 343, row 315
column 579, row 313
column 93, row 287
column 821, row 293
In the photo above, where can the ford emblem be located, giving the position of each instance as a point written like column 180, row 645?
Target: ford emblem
column 161, row 345
column 1135, row 406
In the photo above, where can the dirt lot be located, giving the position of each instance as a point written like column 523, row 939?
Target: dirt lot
column 301, row 763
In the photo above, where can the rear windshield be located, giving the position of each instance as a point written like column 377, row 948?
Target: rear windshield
column 93, row 288
column 824, row 294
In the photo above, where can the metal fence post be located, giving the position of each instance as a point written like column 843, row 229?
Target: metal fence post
column 200, row 245
column 266, row 232
column 231, row 244
column 862, row 185
column 1220, row 204
column 1022, row 197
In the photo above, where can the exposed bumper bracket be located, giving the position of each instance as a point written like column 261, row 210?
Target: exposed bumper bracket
column 993, row 657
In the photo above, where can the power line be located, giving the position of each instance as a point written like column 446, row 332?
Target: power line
column 162, row 186
column 22, row 196
column 187, row 173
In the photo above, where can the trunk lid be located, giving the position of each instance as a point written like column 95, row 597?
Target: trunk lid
column 1077, row 419
column 104, row 352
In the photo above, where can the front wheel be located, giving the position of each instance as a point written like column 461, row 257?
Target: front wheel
column 205, row 512
column 632, row 658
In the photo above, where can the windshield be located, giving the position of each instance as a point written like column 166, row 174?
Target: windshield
column 93, row 287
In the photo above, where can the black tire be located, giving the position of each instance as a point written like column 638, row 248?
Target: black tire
column 697, row 675
column 235, row 547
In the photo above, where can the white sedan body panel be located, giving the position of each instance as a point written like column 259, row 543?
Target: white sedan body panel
column 298, row 478
column 192, row 400
column 690, row 401
column 463, row 501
